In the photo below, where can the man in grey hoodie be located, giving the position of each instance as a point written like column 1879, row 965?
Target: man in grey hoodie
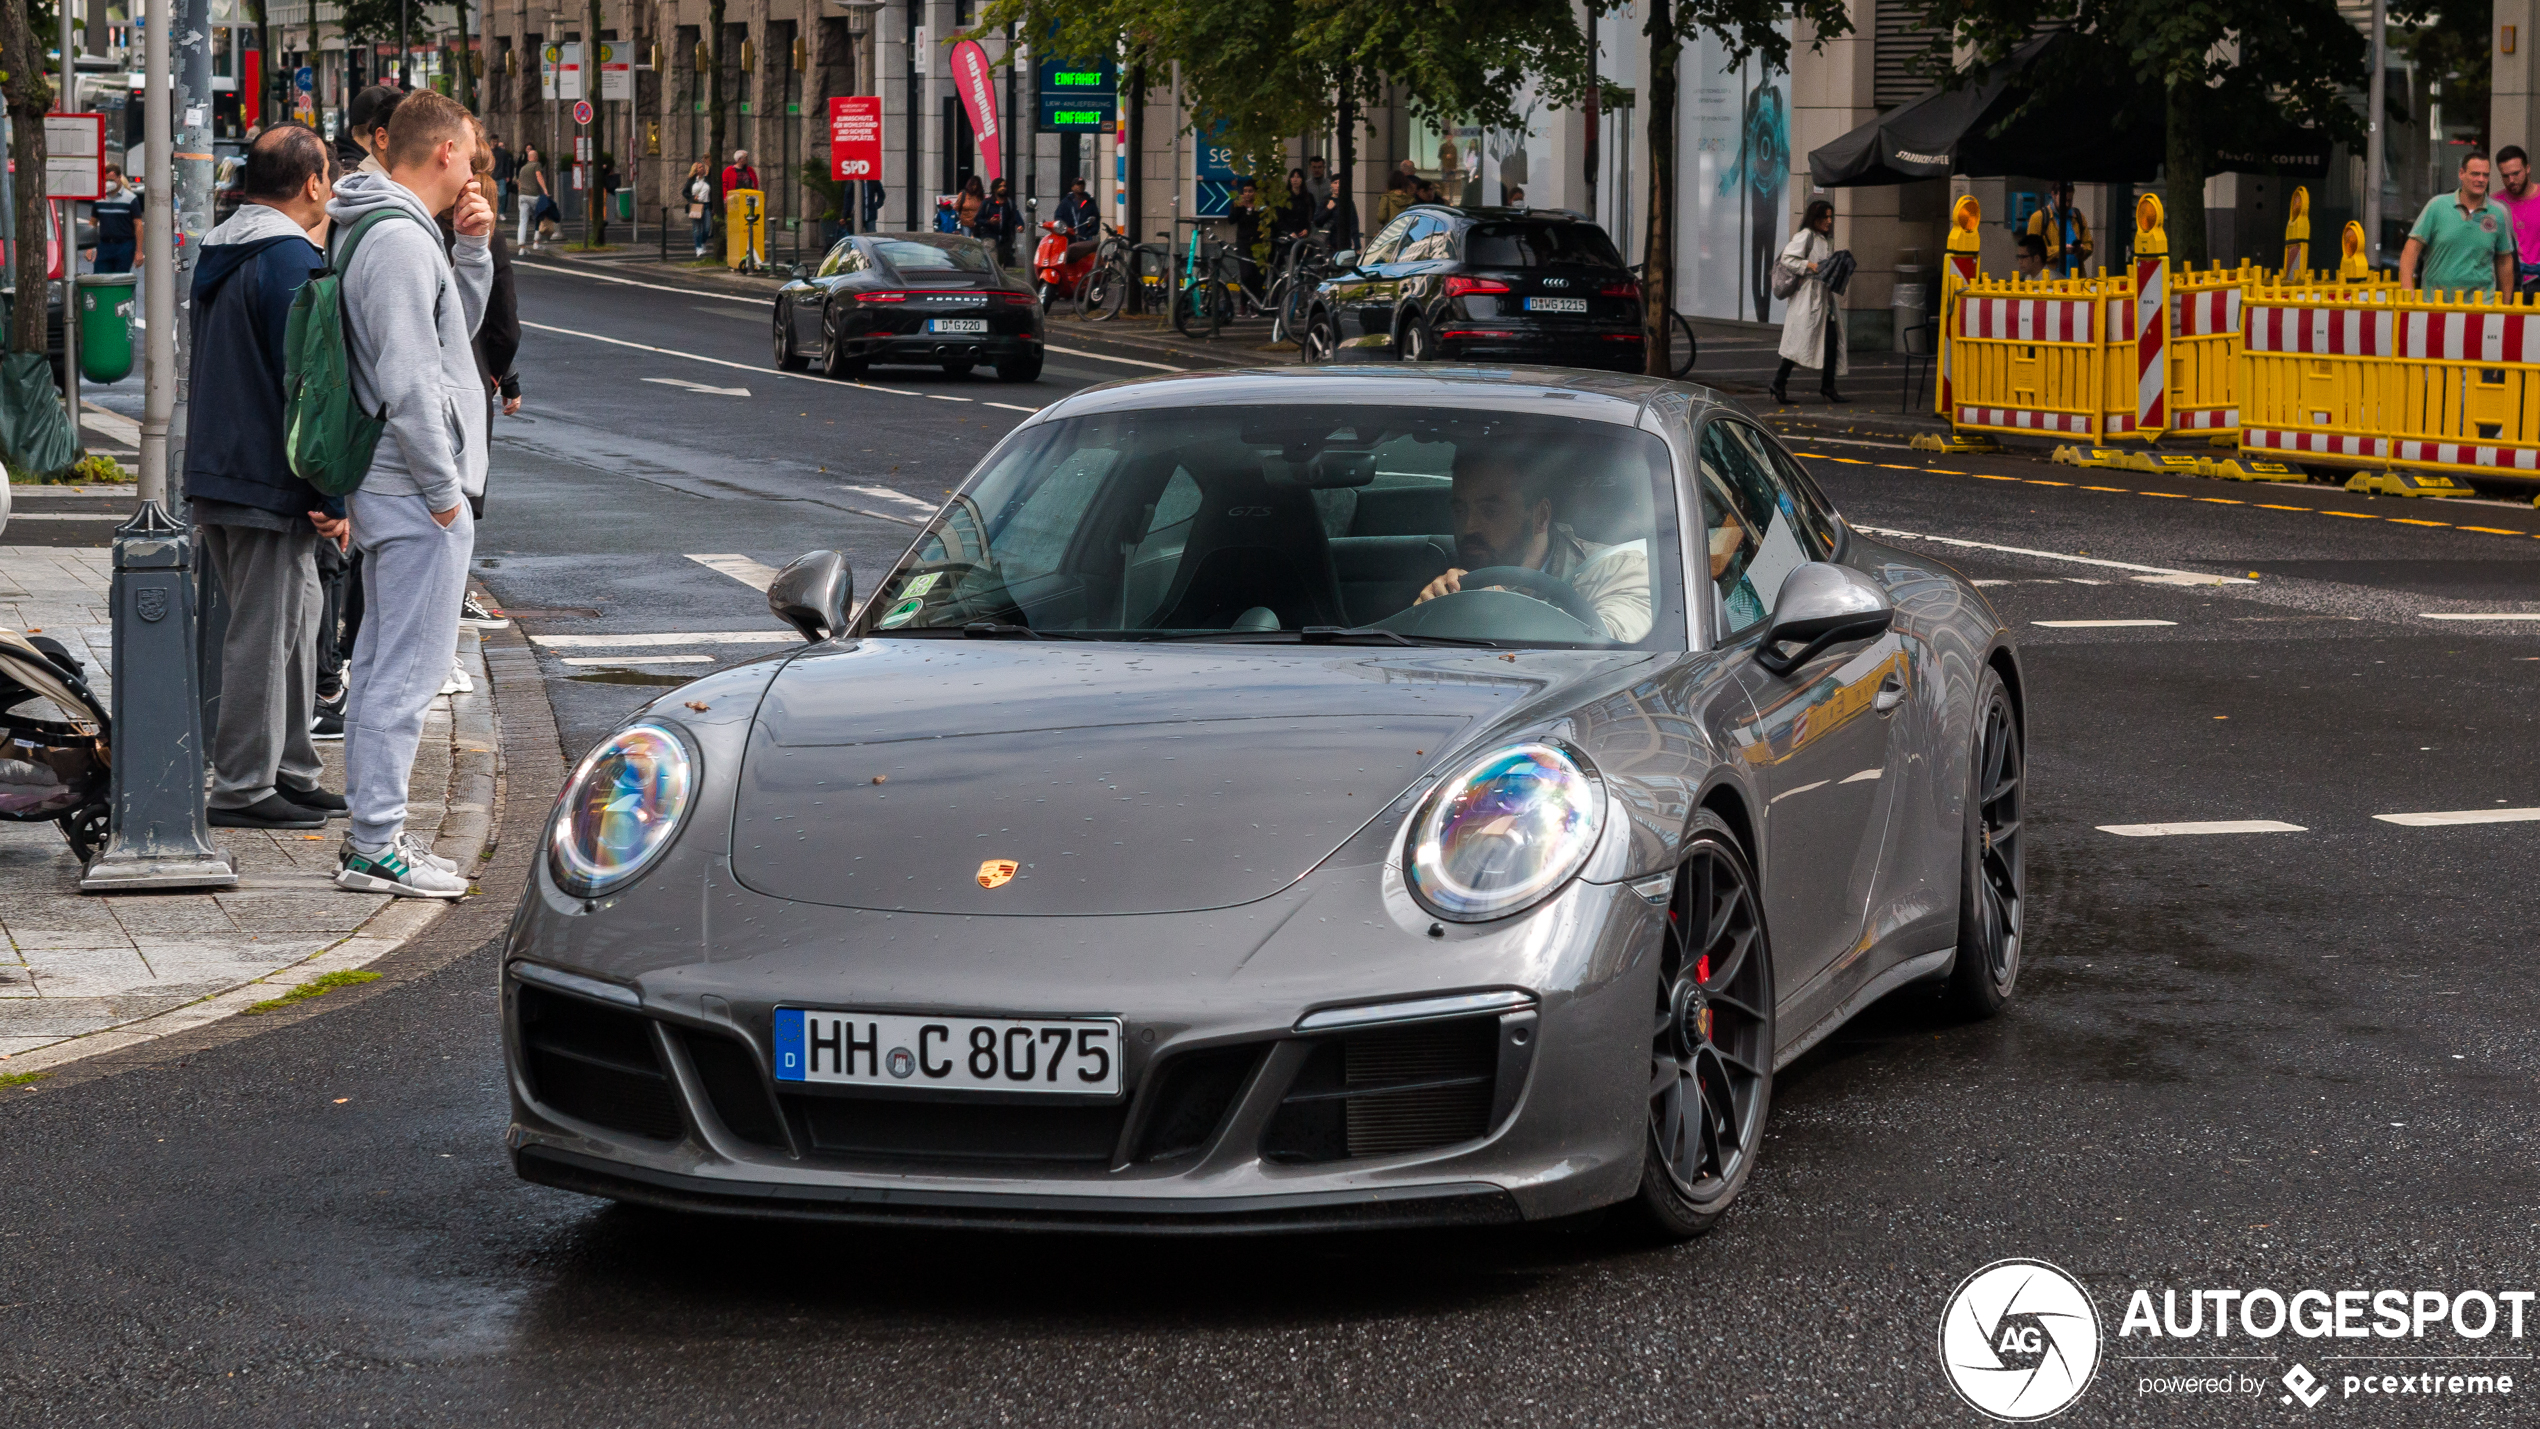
column 412, row 312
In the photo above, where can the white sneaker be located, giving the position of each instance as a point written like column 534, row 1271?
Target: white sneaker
column 415, row 850
column 393, row 872
column 458, row 683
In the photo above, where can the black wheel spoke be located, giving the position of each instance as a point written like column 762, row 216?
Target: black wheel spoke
column 1711, row 1042
column 1725, row 966
column 1731, row 1003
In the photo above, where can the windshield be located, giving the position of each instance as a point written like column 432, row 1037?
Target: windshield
column 935, row 255
column 1406, row 524
column 1540, row 245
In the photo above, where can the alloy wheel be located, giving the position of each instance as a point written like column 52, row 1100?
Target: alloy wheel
column 2001, row 870
column 1711, row 1048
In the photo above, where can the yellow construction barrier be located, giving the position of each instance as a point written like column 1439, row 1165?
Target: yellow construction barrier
column 2033, row 356
column 2381, row 378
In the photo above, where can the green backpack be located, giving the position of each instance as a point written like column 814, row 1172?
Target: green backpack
column 327, row 436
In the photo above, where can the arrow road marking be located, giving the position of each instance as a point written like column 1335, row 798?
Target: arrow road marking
column 700, row 387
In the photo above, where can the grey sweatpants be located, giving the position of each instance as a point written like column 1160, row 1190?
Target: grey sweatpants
column 268, row 662
column 414, row 574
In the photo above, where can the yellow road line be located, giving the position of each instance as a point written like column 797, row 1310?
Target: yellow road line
column 2103, row 488
column 2351, row 515
column 2495, row 530
column 2411, row 521
column 2222, row 501
column 1897, row 466
column 2166, row 495
column 2271, row 506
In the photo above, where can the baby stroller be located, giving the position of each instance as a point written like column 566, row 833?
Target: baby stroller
column 52, row 768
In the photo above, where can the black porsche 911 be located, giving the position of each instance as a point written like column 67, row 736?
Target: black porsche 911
column 909, row 299
column 1537, row 286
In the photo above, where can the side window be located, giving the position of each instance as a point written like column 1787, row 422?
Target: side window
column 1751, row 539
column 1387, row 243
column 1810, row 524
column 1430, row 239
column 1816, row 513
column 836, row 262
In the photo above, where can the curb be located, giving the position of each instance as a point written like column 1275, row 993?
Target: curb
column 476, row 792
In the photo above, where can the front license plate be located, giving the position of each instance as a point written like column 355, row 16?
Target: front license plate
column 976, row 324
column 1078, row 1056
column 1556, row 305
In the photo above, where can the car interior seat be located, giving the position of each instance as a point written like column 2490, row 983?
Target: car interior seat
column 1253, row 544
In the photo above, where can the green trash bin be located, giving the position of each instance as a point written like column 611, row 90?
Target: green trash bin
column 105, row 326
column 626, row 204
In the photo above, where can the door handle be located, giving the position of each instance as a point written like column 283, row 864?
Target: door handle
column 1891, row 694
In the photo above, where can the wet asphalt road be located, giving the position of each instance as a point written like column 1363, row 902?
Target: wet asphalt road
column 2287, row 1059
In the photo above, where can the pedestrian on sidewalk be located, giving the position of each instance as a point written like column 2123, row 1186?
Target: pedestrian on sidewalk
column 738, row 174
column 412, row 313
column 116, row 216
column 2030, row 261
column 1398, row 196
column 538, row 212
column 700, row 196
column 1812, row 330
column 2065, row 231
column 1077, row 214
column 2521, row 203
column 1000, row 220
column 969, row 202
column 506, row 171
column 2462, row 241
column 1318, row 180
column 260, row 526
column 366, row 128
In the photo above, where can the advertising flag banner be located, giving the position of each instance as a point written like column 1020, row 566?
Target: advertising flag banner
column 855, row 137
column 972, row 74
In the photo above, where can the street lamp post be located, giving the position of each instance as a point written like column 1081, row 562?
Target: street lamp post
column 160, row 837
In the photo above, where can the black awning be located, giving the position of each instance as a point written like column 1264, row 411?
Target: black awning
column 2071, row 136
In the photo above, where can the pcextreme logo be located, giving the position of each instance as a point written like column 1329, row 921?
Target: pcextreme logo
column 2020, row 1340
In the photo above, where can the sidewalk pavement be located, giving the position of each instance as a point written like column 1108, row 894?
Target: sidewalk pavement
column 82, row 974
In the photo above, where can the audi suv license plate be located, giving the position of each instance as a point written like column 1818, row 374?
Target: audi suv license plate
column 976, row 324
column 1556, row 305
column 1077, row 1056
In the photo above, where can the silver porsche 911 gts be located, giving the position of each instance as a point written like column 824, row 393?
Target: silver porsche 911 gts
column 1290, row 799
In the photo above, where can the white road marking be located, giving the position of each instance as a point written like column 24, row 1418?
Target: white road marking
column 671, row 638
column 635, row 659
column 70, row 515
column 2192, row 579
column 2095, row 624
column 884, row 493
column 2222, row 826
column 743, row 298
column 1864, row 774
column 700, row 387
column 2462, row 816
column 1009, row 406
column 740, row 568
column 1802, row 789
column 718, row 361
column 2200, row 576
column 2487, row 615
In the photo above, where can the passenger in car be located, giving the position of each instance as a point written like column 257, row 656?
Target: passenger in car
column 1503, row 507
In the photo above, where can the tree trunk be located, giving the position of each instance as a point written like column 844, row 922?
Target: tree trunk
column 714, row 99
column 465, row 67
column 2185, row 188
column 30, row 93
column 1657, row 298
column 253, row 105
column 595, row 209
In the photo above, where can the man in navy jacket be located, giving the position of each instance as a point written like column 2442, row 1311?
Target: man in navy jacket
column 260, row 526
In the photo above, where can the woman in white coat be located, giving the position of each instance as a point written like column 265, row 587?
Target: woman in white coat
column 1812, row 331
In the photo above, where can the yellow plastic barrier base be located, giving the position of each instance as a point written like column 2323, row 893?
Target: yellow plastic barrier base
column 2224, row 441
column 1953, row 442
column 2406, row 483
column 2091, row 456
column 2176, row 463
column 2236, row 469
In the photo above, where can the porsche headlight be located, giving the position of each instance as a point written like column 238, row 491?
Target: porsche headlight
column 1504, row 832
column 619, row 810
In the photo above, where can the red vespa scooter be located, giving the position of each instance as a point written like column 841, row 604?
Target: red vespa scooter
column 1060, row 264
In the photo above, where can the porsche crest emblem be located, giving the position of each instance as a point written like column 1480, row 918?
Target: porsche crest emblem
column 997, row 872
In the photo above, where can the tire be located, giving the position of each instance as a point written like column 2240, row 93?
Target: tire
column 1682, row 345
column 1276, row 304
column 86, row 828
column 787, row 360
column 834, row 361
column 1418, row 343
column 1715, row 1031
column 1993, row 877
column 1105, row 293
column 1322, row 340
column 1026, row 368
column 958, row 369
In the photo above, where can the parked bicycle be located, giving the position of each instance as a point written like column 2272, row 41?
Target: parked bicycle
column 1216, row 285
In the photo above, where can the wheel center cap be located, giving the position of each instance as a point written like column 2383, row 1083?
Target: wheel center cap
column 1691, row 1016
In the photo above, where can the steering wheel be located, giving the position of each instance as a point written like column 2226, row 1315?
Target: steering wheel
column 1551, row 590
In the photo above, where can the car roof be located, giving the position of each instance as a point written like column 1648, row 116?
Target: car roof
column 1593, row 396
column 1499, row 214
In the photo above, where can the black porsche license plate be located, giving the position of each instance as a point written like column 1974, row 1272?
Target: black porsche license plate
column 1075, row 1056
column 957, row 325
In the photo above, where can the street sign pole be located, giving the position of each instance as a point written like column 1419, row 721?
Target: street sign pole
column 2374, row 152
column 70, row 242
column 160, row 838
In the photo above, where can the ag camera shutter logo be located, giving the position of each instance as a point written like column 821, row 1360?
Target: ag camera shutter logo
column 2019, row 1340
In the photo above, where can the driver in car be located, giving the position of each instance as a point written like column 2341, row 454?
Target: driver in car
column 1503, row 517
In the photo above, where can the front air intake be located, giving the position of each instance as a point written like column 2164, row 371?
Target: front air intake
column 595, row 1064
column 1389, row 1091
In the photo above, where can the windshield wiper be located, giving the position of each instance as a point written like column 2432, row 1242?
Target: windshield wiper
column 1328, row 635
column 998, row 630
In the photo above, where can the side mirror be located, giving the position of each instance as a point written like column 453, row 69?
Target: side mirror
column 1820, row 605
column 1345, row 261
column 814, row 594
column 798, row 272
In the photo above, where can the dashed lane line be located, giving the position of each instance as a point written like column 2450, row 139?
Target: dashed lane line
column 919, row 504
column 2097, row 624
column 2479, row 615
column 2197, row 577
column 2462, row 816
column 2216, row 826
column 754, row 574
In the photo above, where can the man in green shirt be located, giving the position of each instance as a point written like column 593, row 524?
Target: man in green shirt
column 2463, row 241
